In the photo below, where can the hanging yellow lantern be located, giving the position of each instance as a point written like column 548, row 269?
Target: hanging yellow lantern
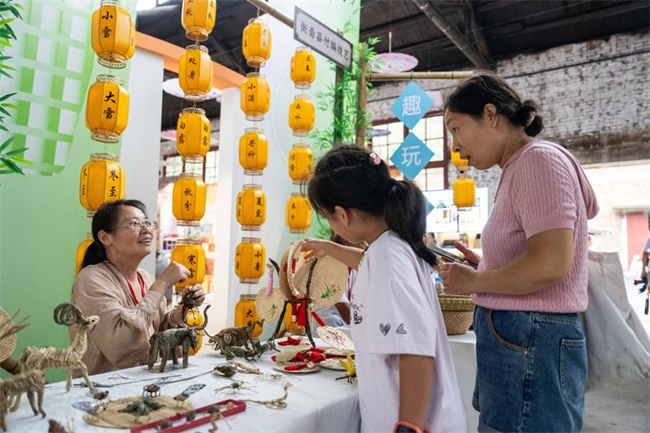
column 107, row 109
column 251, row 207
column 298, row 215
column 255, row 96
column 195, row 72
column 303, row 68
column 301, row 163
column 190, row 254
column 81, row 252
column 253, row 151
column 198, row 18
column 301, row 115
column 194, row 318
column 193, row 135
column 189, row 199
column 246, row 312
column 464, row 190
column 457, row 160
column 113, row 34
column 256, row 43
column 250, row 257
column 102, row 180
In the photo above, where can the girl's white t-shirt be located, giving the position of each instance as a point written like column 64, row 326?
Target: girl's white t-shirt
column 395, row 311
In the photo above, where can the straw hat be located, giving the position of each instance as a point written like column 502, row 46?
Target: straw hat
column 269, row 307
column 329, row 278
column 8, row 343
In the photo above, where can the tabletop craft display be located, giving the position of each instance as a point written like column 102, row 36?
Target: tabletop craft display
column 304, row 284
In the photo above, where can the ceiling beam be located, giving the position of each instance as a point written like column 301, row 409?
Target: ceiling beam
column 475, row 31
column 433, row 43
column 580, row 20
column 452, row 33
column 374, row 31
column 222, row 51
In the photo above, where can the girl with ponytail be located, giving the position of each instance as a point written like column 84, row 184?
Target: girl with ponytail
column 407, row 380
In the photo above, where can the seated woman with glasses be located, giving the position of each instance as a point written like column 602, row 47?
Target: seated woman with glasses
column 130, row 303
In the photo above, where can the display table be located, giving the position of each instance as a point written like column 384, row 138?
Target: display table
column 463, row 350
column 317, row 402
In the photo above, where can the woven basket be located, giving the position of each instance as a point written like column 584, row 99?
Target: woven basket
column 457, row 312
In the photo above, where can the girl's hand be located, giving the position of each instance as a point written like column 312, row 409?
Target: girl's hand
column 458, row 279
column 469, row 255
column 315, row 248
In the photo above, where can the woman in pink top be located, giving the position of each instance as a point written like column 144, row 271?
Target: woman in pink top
column 532, row 279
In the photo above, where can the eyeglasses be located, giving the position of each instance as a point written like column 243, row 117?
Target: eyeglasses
column 137, row 225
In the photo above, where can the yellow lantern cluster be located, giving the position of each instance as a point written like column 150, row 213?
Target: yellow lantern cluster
column 112, row 34
column 107, row 109
column 81, row 251
column 246, row 312
column 195, row 72
column 253, row 151
column 195, row 318
column 255, row 100
column 102, row 180
column 188, row 202
column 190, row 254
column 250, row 257
column 198, row 19
column 301, row 121
column 193, row 135
column 193, row 140
column 301, row 116
column 255, row 97
column 251, row 208
column 298, row 214
column 463, row 187
column 256, row 43
column 303, row 68
column 301, row 163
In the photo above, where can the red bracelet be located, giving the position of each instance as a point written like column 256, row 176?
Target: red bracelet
column 407, row 425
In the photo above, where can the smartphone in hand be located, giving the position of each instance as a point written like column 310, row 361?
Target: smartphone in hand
column 440, row 252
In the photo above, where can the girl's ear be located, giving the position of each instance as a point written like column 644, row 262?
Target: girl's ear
column 342, row 215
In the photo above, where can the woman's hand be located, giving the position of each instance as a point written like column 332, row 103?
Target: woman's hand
column 173, row 274
column 469, row 255
column 198, row 295
column 458, row 279
column 316, row 248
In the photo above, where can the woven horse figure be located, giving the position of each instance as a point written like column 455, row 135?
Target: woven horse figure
column 31, row 382
column 164, row 343
column 44, row 358
column 229, row 338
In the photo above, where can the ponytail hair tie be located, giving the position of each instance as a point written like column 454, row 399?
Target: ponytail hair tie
column 374, row 158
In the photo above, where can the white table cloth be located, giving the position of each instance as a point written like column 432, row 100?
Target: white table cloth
column 317, row 402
